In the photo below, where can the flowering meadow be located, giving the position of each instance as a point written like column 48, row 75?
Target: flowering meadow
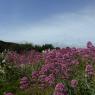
column 66, row 71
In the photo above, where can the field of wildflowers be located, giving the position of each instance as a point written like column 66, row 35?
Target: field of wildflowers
column 66, row 71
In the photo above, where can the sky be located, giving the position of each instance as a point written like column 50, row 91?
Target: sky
column 59, row 22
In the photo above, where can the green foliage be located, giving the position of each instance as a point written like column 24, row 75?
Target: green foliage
column 9, row 87
column 23, row 47
column 36, row 91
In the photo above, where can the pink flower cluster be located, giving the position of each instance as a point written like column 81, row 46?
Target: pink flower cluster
column 58, row 64
column 24, row 83
column 89, row 70
column 35, row 74
column 9, row 93
column 74, row 83
column 60, row 89
column 31, row 57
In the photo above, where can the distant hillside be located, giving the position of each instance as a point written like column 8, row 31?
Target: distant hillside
column 23, row 47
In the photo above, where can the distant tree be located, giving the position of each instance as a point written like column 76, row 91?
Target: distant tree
column 23, row 47
column 47, row 46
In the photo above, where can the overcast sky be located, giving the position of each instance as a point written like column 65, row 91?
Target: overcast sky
column 60, row 22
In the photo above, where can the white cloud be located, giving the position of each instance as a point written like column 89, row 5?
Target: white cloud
column 68, row 28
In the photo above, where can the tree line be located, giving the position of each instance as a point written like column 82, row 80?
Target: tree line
column 23, row 47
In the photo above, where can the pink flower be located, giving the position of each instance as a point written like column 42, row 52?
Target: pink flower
column 49, row 79
column 89, row 45
column 9, row 93
column 24, row 83
column 74, row 83
column 24, row 78
column 89, row 70
column 35, row 74
column 60, row 89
